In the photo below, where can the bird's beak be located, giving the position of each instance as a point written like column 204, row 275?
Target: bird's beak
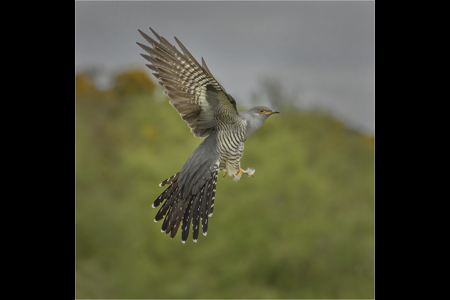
column 272, row 112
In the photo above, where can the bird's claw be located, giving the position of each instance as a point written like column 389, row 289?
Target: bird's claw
column 237, row 177
column 249, row 172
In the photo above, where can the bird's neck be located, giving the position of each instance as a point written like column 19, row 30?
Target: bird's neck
column 250, row 127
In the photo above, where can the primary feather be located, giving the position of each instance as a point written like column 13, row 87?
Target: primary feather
column 192, row 89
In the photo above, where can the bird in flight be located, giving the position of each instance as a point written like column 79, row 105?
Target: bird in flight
column 210, row 113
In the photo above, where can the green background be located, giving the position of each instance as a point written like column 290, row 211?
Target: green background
column 303, row 227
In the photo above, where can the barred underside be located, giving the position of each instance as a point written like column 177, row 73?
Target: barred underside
column 230, row 146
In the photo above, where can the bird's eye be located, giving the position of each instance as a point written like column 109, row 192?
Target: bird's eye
column 261, row 110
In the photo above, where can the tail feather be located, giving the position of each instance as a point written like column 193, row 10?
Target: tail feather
column 170, row 199
column 189, row 215
column 166, row 221
column 213, row 196
column 179, row 217
column 170, row 180
column 204, row 209
column 196, row 215
column 210, row 187
column 166, row 194
column 179, row 211
column 205, row 222
column 172, row 214
column 205, row 204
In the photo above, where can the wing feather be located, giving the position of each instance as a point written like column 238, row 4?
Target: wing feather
column 194, row 92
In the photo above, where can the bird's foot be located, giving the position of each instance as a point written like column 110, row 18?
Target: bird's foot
column 249, row 172
column 225, row 174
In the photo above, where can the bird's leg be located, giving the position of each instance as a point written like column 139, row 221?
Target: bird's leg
column 238, row 175
column 225, row 174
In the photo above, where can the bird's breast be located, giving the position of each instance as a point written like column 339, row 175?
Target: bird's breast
column 230, row 146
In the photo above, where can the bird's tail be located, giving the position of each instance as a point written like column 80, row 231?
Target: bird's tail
column 177, row 209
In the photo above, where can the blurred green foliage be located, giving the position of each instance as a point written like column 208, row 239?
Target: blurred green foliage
column 303, row 227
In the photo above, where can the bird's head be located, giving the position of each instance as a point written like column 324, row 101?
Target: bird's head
column 255, row 117
column 262, row 112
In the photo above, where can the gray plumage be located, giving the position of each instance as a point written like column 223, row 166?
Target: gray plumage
column 210, row 113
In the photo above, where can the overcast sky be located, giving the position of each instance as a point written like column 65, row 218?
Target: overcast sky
column 321, row 51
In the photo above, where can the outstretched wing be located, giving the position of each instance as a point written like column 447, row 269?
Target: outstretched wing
column 193, row 91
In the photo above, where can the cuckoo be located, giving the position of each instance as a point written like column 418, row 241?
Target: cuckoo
column 210, row 113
